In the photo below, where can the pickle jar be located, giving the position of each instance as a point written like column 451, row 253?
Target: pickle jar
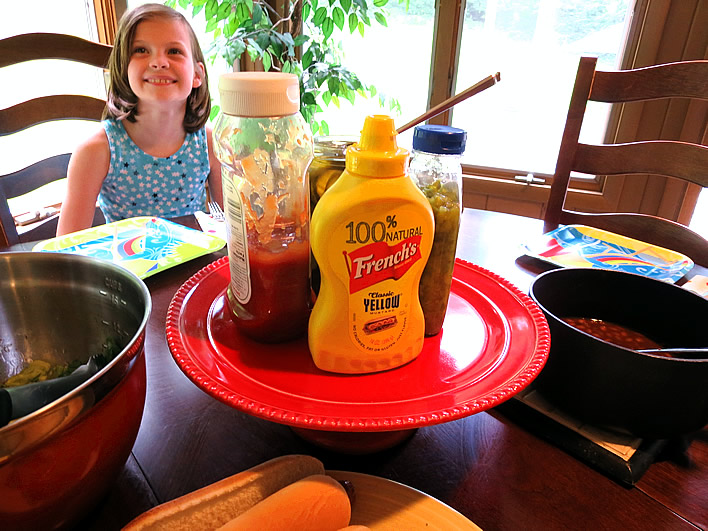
column 435, row 167
column 265, row 147
column 327, row 165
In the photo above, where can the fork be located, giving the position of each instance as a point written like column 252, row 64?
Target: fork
column 215, row 211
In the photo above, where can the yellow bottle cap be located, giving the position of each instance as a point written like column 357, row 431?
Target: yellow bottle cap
column 377, row 154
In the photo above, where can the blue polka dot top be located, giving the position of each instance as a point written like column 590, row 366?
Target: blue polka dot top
column 139, row 184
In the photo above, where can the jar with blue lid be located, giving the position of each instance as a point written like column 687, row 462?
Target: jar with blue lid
column 435, row 167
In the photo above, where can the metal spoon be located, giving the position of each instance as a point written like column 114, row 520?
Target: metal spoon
column 680, row 352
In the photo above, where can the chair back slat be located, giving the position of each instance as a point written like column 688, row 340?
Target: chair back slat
column 48, row 109
column 682, row 160
column 32, row 46
column 672, row 80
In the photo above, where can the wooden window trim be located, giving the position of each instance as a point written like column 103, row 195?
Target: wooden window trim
column 107, row 19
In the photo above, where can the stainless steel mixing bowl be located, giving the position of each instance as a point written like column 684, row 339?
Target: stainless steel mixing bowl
column 56, row 462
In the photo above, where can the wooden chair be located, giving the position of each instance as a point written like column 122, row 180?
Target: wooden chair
column 681, row 160
column 27, row 47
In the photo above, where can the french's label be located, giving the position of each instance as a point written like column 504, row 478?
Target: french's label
column 378, row 256
column 378, row 261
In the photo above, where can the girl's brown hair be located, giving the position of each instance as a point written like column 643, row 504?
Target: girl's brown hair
column 122, row 103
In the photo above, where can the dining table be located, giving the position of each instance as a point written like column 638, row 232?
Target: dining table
column 499, row 472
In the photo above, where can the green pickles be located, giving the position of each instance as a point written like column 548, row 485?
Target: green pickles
column 435, row 283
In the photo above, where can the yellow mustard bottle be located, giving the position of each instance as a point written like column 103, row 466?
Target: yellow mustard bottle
column 371, row 234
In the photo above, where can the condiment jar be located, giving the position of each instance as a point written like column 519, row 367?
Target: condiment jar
column 265, row 146
column 371, row 235
column 435, row 168
column 327, row 165
column 325, row 169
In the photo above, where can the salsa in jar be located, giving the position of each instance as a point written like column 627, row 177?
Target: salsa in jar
column 435, row 283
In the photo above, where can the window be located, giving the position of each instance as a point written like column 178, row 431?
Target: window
column 536, row 46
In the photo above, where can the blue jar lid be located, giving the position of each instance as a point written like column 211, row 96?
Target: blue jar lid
column 441, row 139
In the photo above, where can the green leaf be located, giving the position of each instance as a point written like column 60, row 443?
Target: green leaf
column 308, row 98
column 307, row 59
column 196, row 10
column 238, row 47
column 242, row 13
column 380, row 3
column 254, row 51
column 315, row 128
column 211, row 25
column 224, row 11
column 327, row 27
column 232, row 26
column 276, row 45
column 333, row 85
column 263, row 40
column 267, row 61
column 313, row 3
column 320, row 16
column 338, row 17
column 257, row 14
column 335, row 100
column 353, row 22
column 346, row 5
column 182, row 3
column 324, row 127
column 211, row 9
column 326, row 97
column 361, row 29
column 214, row 112
column 287, row 39
column 287, row 68
column 305, row 11
column 300, row 40
column 381, row 19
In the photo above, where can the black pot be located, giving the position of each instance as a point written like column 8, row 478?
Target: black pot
column 606, row 385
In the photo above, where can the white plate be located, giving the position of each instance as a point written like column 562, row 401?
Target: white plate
column 383, row 505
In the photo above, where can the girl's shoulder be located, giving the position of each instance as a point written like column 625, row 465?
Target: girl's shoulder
column 96, row 143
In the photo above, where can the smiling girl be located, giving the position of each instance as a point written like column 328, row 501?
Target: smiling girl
column 153, row 155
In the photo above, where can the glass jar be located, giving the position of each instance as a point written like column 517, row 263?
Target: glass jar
column 265, row 146
column 327, row 165
column 436, row 169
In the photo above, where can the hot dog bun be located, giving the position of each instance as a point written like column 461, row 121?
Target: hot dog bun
column 216, row 504
column 315, row 503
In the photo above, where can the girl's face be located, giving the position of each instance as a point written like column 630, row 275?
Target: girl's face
column 161, row 67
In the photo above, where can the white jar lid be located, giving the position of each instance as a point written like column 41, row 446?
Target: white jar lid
column 259, row 94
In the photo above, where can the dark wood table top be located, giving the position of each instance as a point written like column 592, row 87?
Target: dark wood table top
column 498, row 474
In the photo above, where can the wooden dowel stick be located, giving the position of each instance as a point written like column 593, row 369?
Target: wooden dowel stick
column 454, row 100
